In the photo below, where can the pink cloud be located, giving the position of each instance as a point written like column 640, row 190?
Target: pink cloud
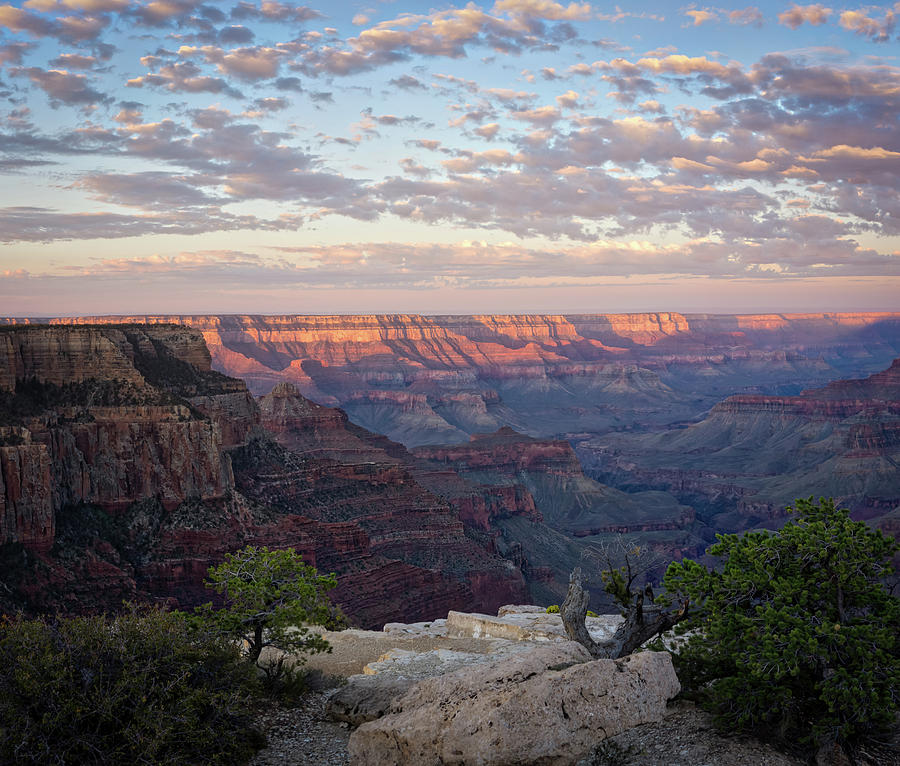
column 798, row 15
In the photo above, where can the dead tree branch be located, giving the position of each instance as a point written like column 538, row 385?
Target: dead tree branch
column 642, row 621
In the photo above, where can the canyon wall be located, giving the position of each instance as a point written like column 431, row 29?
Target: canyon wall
column 693, row 423
column 439, row 379
column 128, row 467
column 752, row 455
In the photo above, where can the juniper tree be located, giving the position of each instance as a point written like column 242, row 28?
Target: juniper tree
column 797, row 630
column 271, row 598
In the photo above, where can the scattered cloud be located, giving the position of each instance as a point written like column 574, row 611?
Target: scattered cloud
column 877, row 28
column 699, row 17
column 503, row 119
column 62, row 87
column 797, row 15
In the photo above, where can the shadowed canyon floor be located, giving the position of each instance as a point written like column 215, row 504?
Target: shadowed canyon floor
column 752, row 455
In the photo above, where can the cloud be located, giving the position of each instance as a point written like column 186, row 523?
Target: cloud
column 62, row 87
column 701, row 17
column 659, row 147
column 181, row 77
column 36, row 224
column 74, row 61
column 247, row 64
column 746, row 16
column 470, row 161
column 540, row 117
column 408, row 82
column 513, row 26
column 878, row 30
column 13, row 53
column 798, row 15
column 149, row 190
column 544, row 9
column 88, row 6
column 568, row 100
column 271, row 104
column 159, row 13
column 18, row 20
column 488, row 132
column 236, row 33
column 289, row 83
column 273, row 11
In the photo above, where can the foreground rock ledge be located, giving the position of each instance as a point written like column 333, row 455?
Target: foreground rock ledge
column 546, row 706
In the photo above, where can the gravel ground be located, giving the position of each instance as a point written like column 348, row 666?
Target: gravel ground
column 685, row 737
column 303, row 736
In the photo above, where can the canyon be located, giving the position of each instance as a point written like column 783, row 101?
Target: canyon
column 435, row 463
column 128, row 467
column 752, row 455
column 439, row 379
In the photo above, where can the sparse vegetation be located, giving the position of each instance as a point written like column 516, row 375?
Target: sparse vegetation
column 797, row 633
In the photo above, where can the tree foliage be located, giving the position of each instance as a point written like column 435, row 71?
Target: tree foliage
column 797, row 631
column 139, row 688
column 271, row 600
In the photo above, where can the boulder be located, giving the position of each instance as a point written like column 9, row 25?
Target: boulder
column 546, row 706
column 525, row 623
column 365, row 698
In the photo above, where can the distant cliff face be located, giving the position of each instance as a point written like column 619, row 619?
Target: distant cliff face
column 752, row 455
column 576, row 514
column 128, row 467
column 439, row 379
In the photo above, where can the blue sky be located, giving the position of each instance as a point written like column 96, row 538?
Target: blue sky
column 515, row 156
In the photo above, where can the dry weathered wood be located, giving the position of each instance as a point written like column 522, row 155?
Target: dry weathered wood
column 640, row 625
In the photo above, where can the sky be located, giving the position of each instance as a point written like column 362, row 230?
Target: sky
column 517, row 156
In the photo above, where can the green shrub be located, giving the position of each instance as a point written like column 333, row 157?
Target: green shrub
column 140, row 688
column 553, row 609
column 797, row 633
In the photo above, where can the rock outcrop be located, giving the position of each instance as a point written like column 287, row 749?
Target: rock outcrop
column 545, row 706
column 100, row 421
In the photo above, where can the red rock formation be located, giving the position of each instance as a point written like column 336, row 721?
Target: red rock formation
column 508, row 452
column 83, row 450
column 26, row 498
column 123, row 486
column 267, row 348
column 437, row 380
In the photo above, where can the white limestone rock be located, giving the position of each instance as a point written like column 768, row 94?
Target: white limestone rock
column 550, row 705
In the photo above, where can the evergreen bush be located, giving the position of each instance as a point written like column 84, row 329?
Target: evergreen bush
column 796, row 633
column 272, row 599
column 139, row 688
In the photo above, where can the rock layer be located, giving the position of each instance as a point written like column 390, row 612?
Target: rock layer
column 438, row 379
